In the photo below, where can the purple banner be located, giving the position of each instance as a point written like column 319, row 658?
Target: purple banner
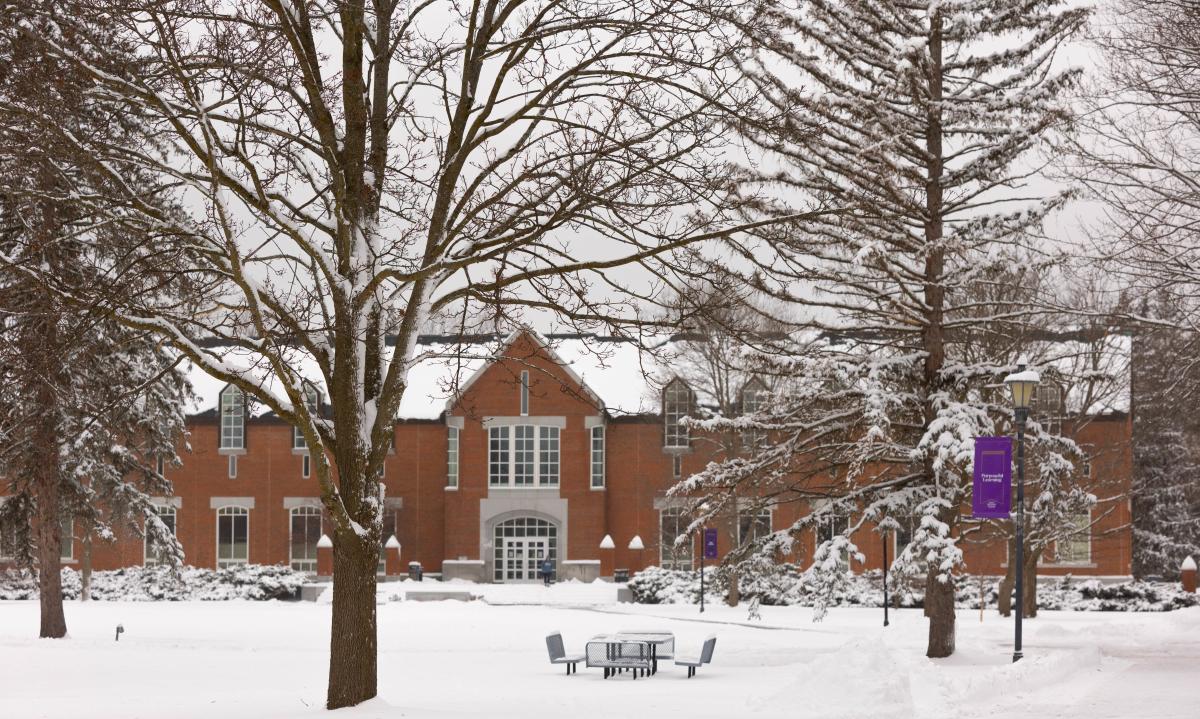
column 710, row 544
column 992, row 497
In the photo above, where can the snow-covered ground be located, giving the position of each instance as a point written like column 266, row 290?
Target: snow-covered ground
column 488, row 659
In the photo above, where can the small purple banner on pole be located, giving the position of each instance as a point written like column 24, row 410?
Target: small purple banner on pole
column 992, row 496
column 710, row 544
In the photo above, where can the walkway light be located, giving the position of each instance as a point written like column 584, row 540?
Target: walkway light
column 1022, row 383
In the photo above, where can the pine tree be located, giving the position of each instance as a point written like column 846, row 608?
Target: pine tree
column 88, row 408
column 1166, row 501
column 917, row 119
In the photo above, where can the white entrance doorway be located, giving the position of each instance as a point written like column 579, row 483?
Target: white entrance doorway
column 520, row 546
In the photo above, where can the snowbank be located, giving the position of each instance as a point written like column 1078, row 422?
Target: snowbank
column 143, row 584
column 789, row 587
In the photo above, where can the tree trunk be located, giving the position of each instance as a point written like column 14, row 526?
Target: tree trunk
column 1004, row 599
column 735, row 594
column 85, row 569
column 939, row 607
column 49, row 543
column 353, row 641
column 1030, row 599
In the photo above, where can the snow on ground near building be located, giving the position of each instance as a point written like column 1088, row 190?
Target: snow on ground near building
column 450, row 660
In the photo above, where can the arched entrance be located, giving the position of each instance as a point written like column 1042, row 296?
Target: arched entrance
column 520, row 545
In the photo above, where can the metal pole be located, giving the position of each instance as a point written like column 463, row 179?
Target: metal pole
column 885, row 568
column 1022, row 414
column 702, row 571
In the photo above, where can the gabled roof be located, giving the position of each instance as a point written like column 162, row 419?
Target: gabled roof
column 545, row 348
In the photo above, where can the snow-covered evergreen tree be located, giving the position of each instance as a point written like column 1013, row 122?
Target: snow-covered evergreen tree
column 917, row 119
column 1166, row 497
column 88, row 407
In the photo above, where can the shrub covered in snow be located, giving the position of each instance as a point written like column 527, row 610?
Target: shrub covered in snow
column 787, row 586
column 251, row 581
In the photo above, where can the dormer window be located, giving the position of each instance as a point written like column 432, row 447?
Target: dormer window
column 312, row 402
column 677, row 404
column 1048, row 406
column 754, row 395
column 233, row 418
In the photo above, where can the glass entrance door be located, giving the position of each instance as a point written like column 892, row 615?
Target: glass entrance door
column 523, row 558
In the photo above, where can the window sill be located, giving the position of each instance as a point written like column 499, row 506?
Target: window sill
column 450, row 489
column 598, row 489
column 226, row 451
column 677, row 450
column 300, row 451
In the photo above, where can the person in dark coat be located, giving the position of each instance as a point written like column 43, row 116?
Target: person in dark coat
column 547, row 570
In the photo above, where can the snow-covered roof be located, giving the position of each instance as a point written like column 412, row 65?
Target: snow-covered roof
column 627, row 379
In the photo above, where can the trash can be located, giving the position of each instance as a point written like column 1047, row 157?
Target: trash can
column 414, row 572
column 620, row 575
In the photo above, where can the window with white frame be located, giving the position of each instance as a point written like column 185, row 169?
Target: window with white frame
column 8, row 541
column 753, row 399
column 155, row 553
column 523, row 455
column 1077, row 548
column 1048, row 406
column 833, row 525
column 525, row 393
column 548, row 455
column 304, row 535
column 598, row 457
column 677, row 404
column 452, row 457
column 233, row 418
column 753, row 526
column 160, row 466
column 904, row 533
column 672, row 523
column 312, row 402
column 233, row 536
column 67, row 549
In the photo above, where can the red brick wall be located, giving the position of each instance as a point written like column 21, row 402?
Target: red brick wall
column 436, row 523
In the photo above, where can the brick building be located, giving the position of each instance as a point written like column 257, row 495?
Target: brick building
column 536, row 451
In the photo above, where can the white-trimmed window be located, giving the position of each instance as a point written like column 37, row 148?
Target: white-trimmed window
column 1077, row 548
column 598, row 457
column 452, row 457
column 672, row 522
column 1048, row 406
column 160, row 466
column 677, row 404
column 233, row 536
column 548, row 455
column 8, row 541
column 833, row 525
column 753, row 399
column 753, row 526
column 233, row 419
column 312, row 402
column 67, row 549
column 904, row 535
column 305, row 532
column 524, row 393
column 677, row 467
column 523, row 455
column 524, row 441
column 153, row 552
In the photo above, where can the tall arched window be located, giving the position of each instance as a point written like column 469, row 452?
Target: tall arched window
column 305, row 532
column 677, row 404
column 233, row 418
column 233, row 536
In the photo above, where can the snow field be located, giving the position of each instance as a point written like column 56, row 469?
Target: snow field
column 488, row 659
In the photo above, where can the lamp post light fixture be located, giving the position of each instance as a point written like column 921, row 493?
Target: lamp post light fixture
column 1022, row 385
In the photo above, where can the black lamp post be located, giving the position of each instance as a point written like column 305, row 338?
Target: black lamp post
column 1022, row 384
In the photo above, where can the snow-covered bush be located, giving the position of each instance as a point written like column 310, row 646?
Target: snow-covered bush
column 786, row 586
column 140, row 584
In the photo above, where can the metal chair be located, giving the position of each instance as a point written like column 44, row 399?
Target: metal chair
column 558, row 655
column 706, row 653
